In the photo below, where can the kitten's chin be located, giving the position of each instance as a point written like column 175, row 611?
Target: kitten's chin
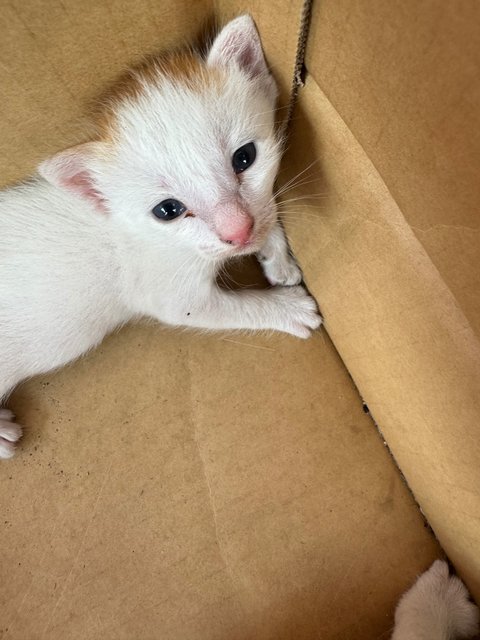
column 225, row 251
column 247, row 249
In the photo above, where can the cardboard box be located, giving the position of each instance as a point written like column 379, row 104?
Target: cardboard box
column 248, row 495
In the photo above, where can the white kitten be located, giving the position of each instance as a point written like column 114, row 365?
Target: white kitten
column 436, row 608
column 139, row 221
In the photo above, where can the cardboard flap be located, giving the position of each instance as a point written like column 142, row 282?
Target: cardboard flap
column 401, row 332
column 404, row 77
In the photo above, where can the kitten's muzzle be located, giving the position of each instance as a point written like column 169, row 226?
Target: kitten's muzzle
column 234, row 225
column 240, row 236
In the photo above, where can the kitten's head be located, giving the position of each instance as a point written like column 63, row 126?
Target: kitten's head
column 187, row 152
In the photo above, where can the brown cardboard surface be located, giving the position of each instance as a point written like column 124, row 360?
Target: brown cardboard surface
column 176, row 485
column 186, row 486
column 396, row 324
column 404, row 76
column 405, row 246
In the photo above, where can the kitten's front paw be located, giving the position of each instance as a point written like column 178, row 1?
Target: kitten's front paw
column 437, row 601
column 298, row 311
column 281, row 270
column 10, row 432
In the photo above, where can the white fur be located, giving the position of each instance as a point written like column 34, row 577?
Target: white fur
column 81, row 252
column 281, row 272
column 10, row 433
column 436, row 608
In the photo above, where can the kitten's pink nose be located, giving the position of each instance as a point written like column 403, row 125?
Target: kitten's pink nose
column 238, row 234
column 233, row 224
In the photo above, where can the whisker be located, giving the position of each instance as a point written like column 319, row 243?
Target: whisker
column 223, row 273
column 306, row 201
column 291, row 186
column 300, row 183
column 300, row 207
column 292, row 180
column 301, row 219
column 306, row 195
column 297, row 212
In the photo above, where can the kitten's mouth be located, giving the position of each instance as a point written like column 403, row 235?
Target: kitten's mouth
column 252, row 246
column 231, row 250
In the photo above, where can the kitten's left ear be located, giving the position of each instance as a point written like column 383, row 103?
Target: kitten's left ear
column 75, row 170
column 238, row 42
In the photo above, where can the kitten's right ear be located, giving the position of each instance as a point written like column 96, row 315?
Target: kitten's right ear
column 73, row 170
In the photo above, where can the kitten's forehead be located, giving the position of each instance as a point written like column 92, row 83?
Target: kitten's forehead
column 130, row 90
column 168, row 96
column 183, row 120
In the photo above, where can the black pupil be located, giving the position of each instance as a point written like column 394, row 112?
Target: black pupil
column 244, row 157
column 168, row 209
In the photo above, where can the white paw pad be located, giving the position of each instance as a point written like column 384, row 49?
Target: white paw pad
column 10, row 432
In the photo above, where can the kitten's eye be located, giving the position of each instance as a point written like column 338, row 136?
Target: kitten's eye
column 168, row 210
column 244, row 157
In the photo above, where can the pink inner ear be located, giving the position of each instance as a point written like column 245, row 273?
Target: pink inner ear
column 82, row 184
column 247, row 59
column 248, row 56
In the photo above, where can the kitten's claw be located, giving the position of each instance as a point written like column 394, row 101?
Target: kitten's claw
column 436, row 604
column 281, row 270
column 10, row 432
column 298, row 311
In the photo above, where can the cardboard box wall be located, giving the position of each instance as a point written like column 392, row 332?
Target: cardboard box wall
column 289, row 520
column 391, row 107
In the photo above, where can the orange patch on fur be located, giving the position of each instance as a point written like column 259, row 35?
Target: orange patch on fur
column 185, row 67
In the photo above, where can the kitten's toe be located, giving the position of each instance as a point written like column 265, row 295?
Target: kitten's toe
column 282, row 271
column 10, row 433
column 464, row 615
column 437, row 602
column 298, row 312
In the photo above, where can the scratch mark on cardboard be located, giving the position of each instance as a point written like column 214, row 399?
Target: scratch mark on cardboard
column 246, row 344
column 29, row 588
column 221, row 550
column 80, row 549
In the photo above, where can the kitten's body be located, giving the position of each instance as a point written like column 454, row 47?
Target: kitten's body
column 82, row 246
column 64, row 290
column 76, row 278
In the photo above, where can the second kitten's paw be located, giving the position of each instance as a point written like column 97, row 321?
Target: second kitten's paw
column 437, row 602
column 281, row 270
column 297, row 311
column 10, row 432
